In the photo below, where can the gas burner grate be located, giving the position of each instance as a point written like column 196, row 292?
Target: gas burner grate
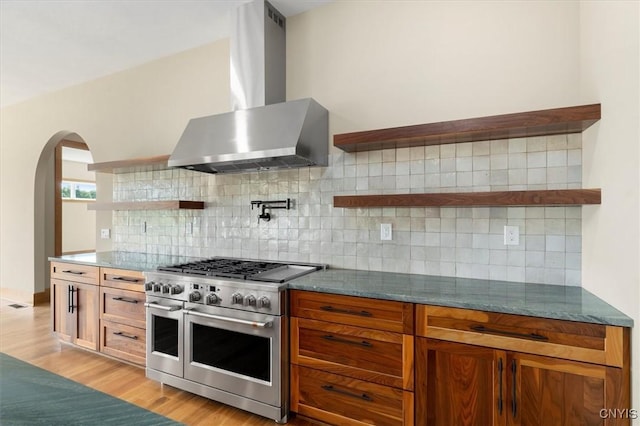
column 223, row 267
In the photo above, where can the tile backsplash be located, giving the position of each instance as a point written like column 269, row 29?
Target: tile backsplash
column 449, row 241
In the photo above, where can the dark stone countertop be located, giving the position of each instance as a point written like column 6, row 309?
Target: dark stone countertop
column 124, row 260
column 538, row 300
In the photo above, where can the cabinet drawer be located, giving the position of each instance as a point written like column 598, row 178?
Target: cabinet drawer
column 122, row 306
column 377, row 356
column 73, row 272
column 122, row 278
column 358, row 311
column 122, row 341
column 345, row 401
column 572, row 340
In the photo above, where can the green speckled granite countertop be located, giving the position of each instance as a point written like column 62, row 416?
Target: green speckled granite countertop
column 538, row 300
column 124, row 260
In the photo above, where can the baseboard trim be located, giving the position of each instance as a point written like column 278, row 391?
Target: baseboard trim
column 42, row 298
column 25, row 297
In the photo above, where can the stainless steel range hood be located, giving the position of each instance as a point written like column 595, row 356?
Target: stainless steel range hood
column 263, row 132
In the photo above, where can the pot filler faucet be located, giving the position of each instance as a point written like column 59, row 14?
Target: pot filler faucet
column 277, row 204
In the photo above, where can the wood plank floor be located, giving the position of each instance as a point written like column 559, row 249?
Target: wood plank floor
column 25, row 333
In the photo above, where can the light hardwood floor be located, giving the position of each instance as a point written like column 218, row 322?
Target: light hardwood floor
column 25, row 333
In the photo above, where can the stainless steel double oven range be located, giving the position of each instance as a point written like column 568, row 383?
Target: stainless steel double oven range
column 218, row 328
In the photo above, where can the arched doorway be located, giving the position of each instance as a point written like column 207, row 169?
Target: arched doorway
column 49, row 209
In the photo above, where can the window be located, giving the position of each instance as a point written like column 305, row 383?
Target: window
column 76, row 190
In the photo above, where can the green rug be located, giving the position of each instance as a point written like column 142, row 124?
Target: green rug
column 30, row 395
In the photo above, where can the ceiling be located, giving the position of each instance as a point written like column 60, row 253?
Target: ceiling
column 47, row 45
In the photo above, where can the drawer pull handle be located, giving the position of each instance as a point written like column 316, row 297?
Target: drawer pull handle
column 350, row 342
column 70, row 292
column 130, row 280
column 128, row 336
column 69, row 271
column 124, row 299
column 362, row 396
column 534, row 336
column 346, row 311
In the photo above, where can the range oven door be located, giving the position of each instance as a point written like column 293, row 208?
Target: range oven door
column 165, row 335
column 235, row 351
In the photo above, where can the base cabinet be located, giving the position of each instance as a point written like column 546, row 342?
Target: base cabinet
column 461, row 381
column 101, row 309
column 122, row 315
column 352, row 359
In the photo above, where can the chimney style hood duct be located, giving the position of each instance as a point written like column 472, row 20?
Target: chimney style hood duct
column 263, row 132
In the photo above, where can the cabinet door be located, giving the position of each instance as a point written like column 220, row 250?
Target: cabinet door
column 87, row 311
column 550, row 391
column 459, row 384
column 62, row 318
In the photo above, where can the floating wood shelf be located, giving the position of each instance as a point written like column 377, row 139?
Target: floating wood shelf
column 524, row 124
column 551, row 197
column 144, row 164
column 149, row 205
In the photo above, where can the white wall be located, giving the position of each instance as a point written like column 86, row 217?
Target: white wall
column 377, row 64
column 136, row 113
column 610, row 74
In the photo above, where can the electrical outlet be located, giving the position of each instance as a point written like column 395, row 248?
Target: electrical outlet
column 385, row 231
column 105, row 233
column 511, row 235
column 189, row 228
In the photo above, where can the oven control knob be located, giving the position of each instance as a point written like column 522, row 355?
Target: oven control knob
column 212, row 299
column 166, row 288
column 176, row 289
column 250, row 300
column 148, row 286
column 157, row 287
column 264, row 302
column 194, row 296
column 236, row 298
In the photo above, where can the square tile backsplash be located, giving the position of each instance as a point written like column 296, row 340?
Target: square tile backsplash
column 449, row 241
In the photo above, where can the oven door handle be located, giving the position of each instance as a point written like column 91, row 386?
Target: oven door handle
column 162, row 307
column 228, row 319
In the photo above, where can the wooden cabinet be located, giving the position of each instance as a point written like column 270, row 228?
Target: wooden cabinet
column 480, row 368
column 456, row 384
column 122, row 315
column 75, row 304
column 101, row 309
column 352, row 359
